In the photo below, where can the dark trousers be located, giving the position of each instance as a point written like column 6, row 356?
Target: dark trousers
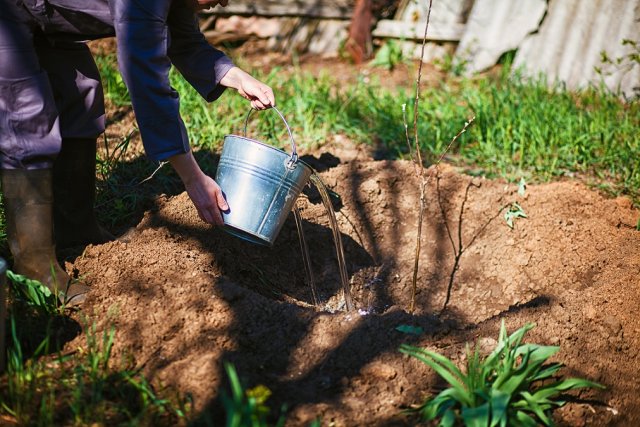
column 49, row 84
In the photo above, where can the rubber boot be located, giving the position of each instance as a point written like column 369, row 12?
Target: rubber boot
column 74, row 195
column 28, row 209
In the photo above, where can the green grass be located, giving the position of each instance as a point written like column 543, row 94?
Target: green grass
column 43, row 387
column 522, row 127
column 88, row 386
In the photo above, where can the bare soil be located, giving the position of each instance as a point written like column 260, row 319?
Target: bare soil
column 185, row 297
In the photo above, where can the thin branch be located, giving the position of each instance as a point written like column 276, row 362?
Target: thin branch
column 153, row 174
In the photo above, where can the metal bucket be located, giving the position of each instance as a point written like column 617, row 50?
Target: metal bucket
column 3, row 312
column 261, row 183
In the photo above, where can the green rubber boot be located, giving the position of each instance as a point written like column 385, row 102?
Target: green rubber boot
column 28, row 208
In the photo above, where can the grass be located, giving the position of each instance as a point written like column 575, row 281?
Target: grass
column 44, row 387
column 523, row 127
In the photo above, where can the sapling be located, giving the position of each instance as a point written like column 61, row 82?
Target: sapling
column 418, row 163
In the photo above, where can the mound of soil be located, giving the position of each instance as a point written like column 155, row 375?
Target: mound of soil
column 185, row 297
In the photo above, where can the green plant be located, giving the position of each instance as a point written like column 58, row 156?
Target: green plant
column 82, row 388
column 246, row 408
column 24, row 400
column 389, row 56
column 512, row 386
column 621, row 64
column 514, row 212
column 34, row 294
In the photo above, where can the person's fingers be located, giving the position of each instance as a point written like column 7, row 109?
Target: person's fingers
column 216, row 217
column 205, row 216
column 221, row 201
column 256, row 104
column 270, row 96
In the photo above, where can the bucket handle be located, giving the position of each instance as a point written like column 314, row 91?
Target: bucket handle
column 293, row 158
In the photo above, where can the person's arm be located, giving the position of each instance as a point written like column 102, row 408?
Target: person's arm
column 207, row 69
column 143, row 38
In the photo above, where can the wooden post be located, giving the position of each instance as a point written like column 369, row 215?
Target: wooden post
column 359, row 41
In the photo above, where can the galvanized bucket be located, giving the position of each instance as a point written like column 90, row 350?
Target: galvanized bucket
column 3, row 312
column 261, row 183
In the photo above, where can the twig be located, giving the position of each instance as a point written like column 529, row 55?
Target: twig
column 153, row 174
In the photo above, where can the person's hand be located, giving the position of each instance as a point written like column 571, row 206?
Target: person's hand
column 203, row 191
column 260, row 95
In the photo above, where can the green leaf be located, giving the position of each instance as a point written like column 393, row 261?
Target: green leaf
column 515, row 211
column 476, row 417
column 408, row 329
column 524, row 420
column 437, row 407
column 536, row 408
column 522, row 186
column 547, row 371
column 499, row 402
column 556, row 388
column 448, row 419
column 444, row 367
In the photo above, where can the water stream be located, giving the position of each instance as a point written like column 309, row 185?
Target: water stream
column 306, row 260
column 337, row 239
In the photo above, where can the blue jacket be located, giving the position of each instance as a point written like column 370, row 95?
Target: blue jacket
column 151, row 36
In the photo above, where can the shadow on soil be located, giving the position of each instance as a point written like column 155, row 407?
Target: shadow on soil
column 270, row 336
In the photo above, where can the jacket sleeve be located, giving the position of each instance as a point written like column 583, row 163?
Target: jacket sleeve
column 199, row 63
column 143, row 39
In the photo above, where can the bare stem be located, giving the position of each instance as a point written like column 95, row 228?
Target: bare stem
column 418, row 163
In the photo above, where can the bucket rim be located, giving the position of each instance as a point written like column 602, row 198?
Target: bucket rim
column 271, row 147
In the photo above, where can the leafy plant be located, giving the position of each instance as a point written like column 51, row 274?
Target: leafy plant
column 513, row 212
column 246, row 408
column 512, row 386
column 621, row 64
column 389, row 55
column 34, row 294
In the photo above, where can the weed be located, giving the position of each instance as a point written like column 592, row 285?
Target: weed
column 622, row 64
column 82, row 388
column 246, row 408
column 514, row 385
column 389, row 56
column 24, row 400
column 514, row 212
column 34, row 294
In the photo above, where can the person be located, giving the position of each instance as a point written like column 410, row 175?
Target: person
column 52, row 111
